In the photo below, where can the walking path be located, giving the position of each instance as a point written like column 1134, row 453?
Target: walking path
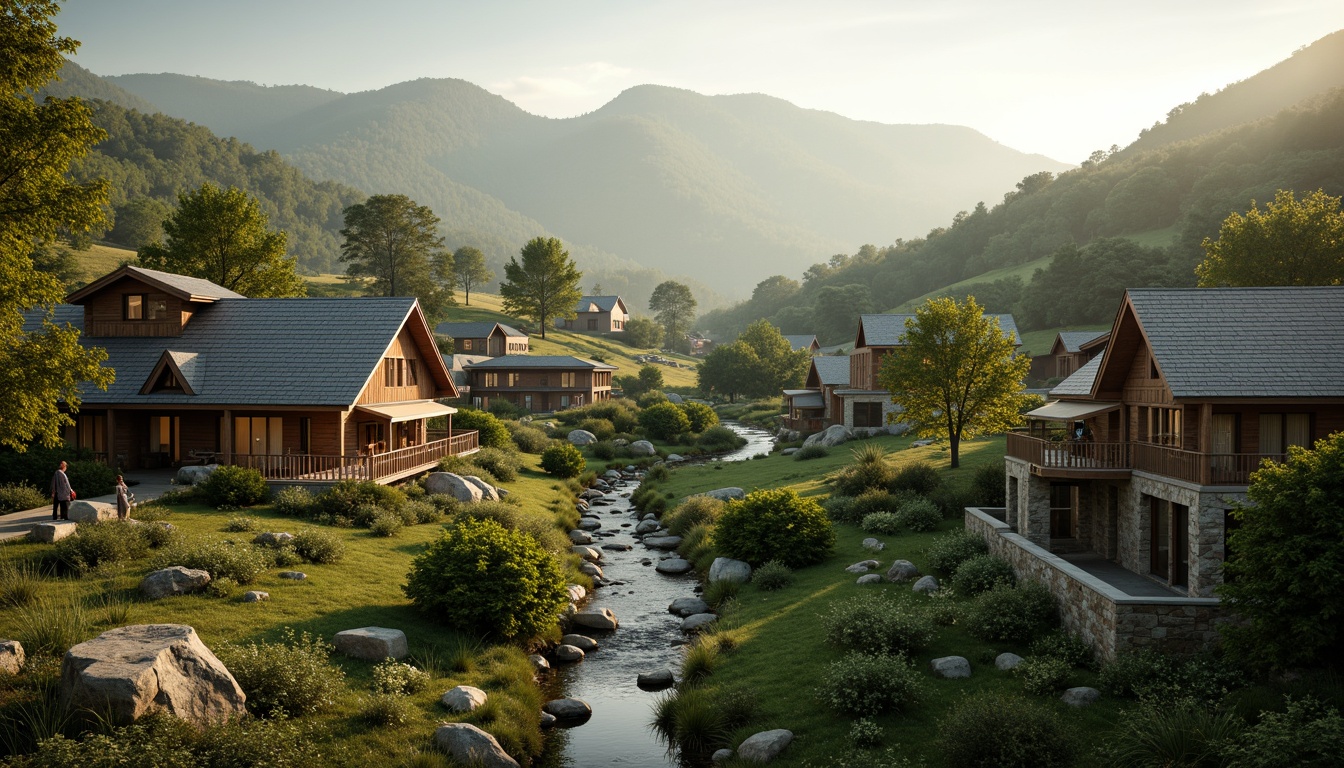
column 151, row 484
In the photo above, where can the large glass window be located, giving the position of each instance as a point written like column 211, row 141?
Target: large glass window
column 135, row 307
column 867, row 414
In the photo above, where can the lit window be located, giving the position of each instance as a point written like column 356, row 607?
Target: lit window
column 135, row 307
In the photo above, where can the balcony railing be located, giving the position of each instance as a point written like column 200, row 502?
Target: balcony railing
column 1190, row 466
column 804, row 424
column 374, row 466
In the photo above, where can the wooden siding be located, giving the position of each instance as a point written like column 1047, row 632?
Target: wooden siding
column 1140, row 387
column 864, row 363
column 104, row 313
column 405, row 348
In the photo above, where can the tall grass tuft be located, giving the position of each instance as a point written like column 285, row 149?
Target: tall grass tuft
column 52, row 624
column 699, row 661
column 1184, row 733
column 694, row 722
column 20, row 583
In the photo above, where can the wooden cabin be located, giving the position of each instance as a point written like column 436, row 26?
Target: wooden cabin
column 597, row 314
column 539, row 383
column 485, row 338
column 818, row 406
column 1070, row 351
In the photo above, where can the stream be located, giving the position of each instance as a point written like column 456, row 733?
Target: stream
column 649, row 639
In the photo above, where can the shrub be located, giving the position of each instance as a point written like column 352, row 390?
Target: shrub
column 1180, row 732
column 1147, row 674
column 865, row 733
column 994, row 730
column 563, row 460
column 947, row 552
column 719, row 439
column 920, row 515
column 344, row 498
column 516, row 588
column 17, row 497
column 363, row 515
column 1042, row 675
column 158, row 534
column 50, row 624
column 528, row 439
column 604, row 450
column 953, row 500
column 386, row 525
column 491, row 432
column 317, row 546
column 987, row 485
column 981, row 574
column 221, row 559
column 231, row 487
column 179, row 495
column 504, row 409
column 623, row 414
column 809, row 452
column 466, row 466
column 541, row 528
column 1070, row 649
column 1133, row 673
column 664, row 421
column 718, row 593
column 888, row 523
column 696, row 720
column 292, row 677
column 772, row 576
column 503, row 464
column 1011, row 614
column 919, row 478
column 91, row 478
column 876, row 623
column 392, row 676
column 1308, row 734
column 842, row 509
column 692, row 512
column 240, row 524
column 153, row 511
column 877, row 500
column 870, row 470
column 602, row 429
column 20, row 582
column 868, row 684
column 385, row 709
column 775, row 524
column 100, row 543
column 420, row 513
column 700, row 416
column 650, row 398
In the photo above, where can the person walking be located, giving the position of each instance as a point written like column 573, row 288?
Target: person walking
column 123, row 499
column 61, row 494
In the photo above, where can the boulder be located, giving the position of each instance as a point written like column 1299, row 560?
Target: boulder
column 581, row 437
column 576, row 592
column 582, row 642
column 922, row 442
column 617, row 547
column 488, row 491
column 463, row 698
column 862, row 567
column 191, row 475
column 674, row 458
column 292, row 575
column 642, row 448
column 726, row 494
column 468, row 745
column 587, row 553
column 1006, row 661
column 568, row 709
column 926, row 585
column 951, row 667
column 53, row 531
column 871, row 578
column 539, row 663
column 131, row 671
column 255, row 596
column 1080, row 697
column 673, row 398
column 596, row 618
column 453, row 485
column 611, row 475
column 686, row 606
column 873, row 545
column 591, row 569
column 11, row 656
column 568, row 654
column 697, row 622
column 372, row 643
column 580, row 537
column 547, row 720
column 646, row 526
column 720, row 755
column 788, row 451
column 831, row 436
column 82, row 511
column 590, row 494
column 620, row 442
column 728, row 569
column 662, row 542
column 673, row 566
column 589, row 524
column 655, row 681
column 764, row 746
column 176, row 580
column 902, row 570
column 272, row 539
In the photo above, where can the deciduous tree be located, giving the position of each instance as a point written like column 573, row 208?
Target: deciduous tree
column 673, row 307
column 469, row 270
column 45, row 364
column 781, row 366
column 731, row 370
column 643, row 332
column 397, row 243
column 1291, row 242
column 956, row 375
column 222, row 235
column 544, row 285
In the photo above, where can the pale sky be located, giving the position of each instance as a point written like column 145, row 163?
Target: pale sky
column 1057, row 78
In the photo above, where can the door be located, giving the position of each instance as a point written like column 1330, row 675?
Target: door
column 1063, row 511
column 1180, row 544
column 1159, row 539
column 164, row 445
column 1224, row 445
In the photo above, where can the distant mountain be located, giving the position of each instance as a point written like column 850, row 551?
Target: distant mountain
column 78, row 81
column 726, row 188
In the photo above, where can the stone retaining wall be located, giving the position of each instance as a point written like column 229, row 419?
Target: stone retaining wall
column 1106, row 618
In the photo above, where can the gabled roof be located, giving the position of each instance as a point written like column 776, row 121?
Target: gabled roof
column 889, row 330
column 1079, row 383
column 830, row 370
column 185, row 366
column 1074, row 341
column 1271, row 342
column 801, row 340
column 478, row 330
column 602, row 303
column 183, row 287
column 518, row 362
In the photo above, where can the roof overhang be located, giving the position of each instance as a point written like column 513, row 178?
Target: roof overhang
column 806, row 400
column 1069, row 410
column 409, row 411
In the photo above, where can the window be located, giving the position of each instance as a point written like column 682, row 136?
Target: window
column 616, row 324
column 567, row 379
column 564, row 401
column 527, row 402
column 1159, row 536
column 867, row 414
column 592, row 325
column 389, row 372
column 513, row 379
column 135, row 307
column 157, row 309
column 1280, row 430
column 305, row 434
column 412, row 374
column 1063, row 521
column 466, row 344
column 1164, row 426
column 492, row 379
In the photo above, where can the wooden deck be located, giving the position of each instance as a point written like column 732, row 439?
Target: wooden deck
column 385, row 467
column 1087, row 459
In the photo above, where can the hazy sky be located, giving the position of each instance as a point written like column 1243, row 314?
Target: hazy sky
column 1058, row 78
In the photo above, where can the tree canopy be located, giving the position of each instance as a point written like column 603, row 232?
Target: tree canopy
column 729, row 370
column 221, row 235
column 397, row 243
column 39, row 202
column 956, row 375
column 544, row 285
column 1291, row 242
column 469, row 270
column 643, row 332
column 673, row 307
column 759, row 363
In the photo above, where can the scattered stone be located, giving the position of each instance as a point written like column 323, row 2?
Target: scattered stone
column 255, row 596
column 468, row 745
column 922, row 442
column 373, row 643
column 548, row 720
column 951, row 667
column 193, row 474
column 871, row 578
column 873, row 544
column 673, row 566
column 697, row 622
column 1080, row 697
column 131, row 671
column 576, row 592
column 611, row 475
column 788, row 451
column 831, row 436
column 580, row 537
column 902, row 570
column 642, row 448
column 646, row 526
column 720, row 755
column 687, row 606
column 1006, row 661
column 11, row 656
column 176, row 580
column 862, row 567
column 617, row 547
column 587, row 553
column 293, row 575
column 452, row 485
column 655, row 681
column 599, row 618
column 568, row 709
column 54, row 531
column 589, row 524
column 539, row 663
column 272, row 539
column 582, row 642
column 590, row 494
column 591, row 569
column 764, row 746
column 581, row 437
column 92, row 511
column 926, row 585
column 728, row 569
column 568, row 654
column 726, row 494
column 463, row 698
column 673, row 458
column 662, row 542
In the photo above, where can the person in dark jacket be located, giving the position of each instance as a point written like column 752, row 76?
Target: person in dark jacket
column 61, row 494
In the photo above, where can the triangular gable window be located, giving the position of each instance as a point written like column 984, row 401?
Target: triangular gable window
column 167, row 376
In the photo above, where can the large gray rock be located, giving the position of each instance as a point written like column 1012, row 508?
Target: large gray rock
column 131, row 671
column 687, row 606
column 176, row 580
column 764, row 746
column 192, row 475
column 728, row 569
column 590, row 525
column 662, row 542
column 11, row 656
column 697, row 622
column 926, row 585
column 92, row 511
column 596, row 618
column 902, row 570
column 256, row 596
column 1080, row 697
column 673, row 566
column 720, row 755
column 831, row 436
column 273, row 539
column 463, row 698
column 53, row 531
column 488, row 491
column 655, row 681
column 539, row 663
column 587, row 553
column 591, row 569
column 874, row 545
column 580, row 538
column 568, row 709
column 870, row 578
column 863, row 566
column 581, row 437
column 673, row 398
column 568, row 654
column 372, row 643
column 1006, row 661
column 452, row 485
column 726, row 494
column 951, row 667
column 582, row 642
column 642, row 448
column 468, row 745
column 647, row 526
column 575, row 592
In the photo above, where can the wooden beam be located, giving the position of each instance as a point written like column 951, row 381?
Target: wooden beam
column 226, row 438
column 1206, row 428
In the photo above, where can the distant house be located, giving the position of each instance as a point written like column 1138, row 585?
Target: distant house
column 864, row 403
column 485, row 338
column 539, row 383
column 814, row 407
column 598, row 314
column 457, row 366
column 305, row 390
column 1071, row 351
column 806, row 341
column 699, row 345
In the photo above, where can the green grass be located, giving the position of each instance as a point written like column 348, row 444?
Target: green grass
column 98, row 260
column 1024, row 271
column 1156, row 238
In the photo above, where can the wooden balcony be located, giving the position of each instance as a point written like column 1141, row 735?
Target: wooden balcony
column 804, row 424
column 385, row 467
column 1110, row 460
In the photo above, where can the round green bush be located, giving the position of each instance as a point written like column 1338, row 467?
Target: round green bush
column 481, row 575
column 563, row 460
column 993, row 730
column 344, row 498
column 231, row 487
column 691, row 512
column 867, row 684
column 1070, row 649
column 386, row 525
column 920, row 478
column 866, row 474
column 664, row 421
column 988, row 485
column 491, row 432
column 1012, row 614
column 877, row 623
column 101, row 543
column 719, row 439
column 91, row 478
column 772, row 576
column 1310, row 733
column 947, row 552
column 604, row 450
column 775, row 524
column 809, row 452
column 317, row 546
column 17, row 497
column 701, row 416
column 420, row 512
column 293, row 677
column 920, row 515
column 1042, row 675
column 542, row 528
column 502, row 464
column 221, row 559
column 981, row 574
column 842, row 509
column 887, row 523
column 529, row 439
column 602, row 429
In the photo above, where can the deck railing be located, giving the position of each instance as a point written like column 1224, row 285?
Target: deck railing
column 804, row 424
column 376, row 466
column 1191, row 466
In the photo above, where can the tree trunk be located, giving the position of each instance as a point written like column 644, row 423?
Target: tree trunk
column 954, row 443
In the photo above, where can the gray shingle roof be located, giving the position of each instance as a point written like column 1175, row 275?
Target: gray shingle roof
column 1246, row 342
column 832, row 370
column 1079, row 383
column 1074, row 339
column 317, row 351
column 479, row 330
column 538, row 361
column 195, row 286
column 889, row 330
column 604, row 303
column 800, row 340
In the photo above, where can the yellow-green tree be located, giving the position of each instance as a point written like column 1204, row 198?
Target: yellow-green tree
column 955, row 375
column 44, row 364
column 544, row 285
column 1290, row 242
